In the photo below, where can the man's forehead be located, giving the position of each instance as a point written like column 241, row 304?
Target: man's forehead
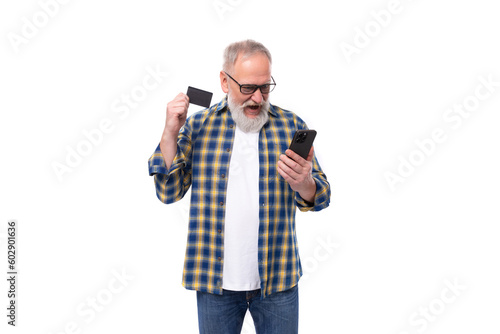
column 256, row 59
column 255, row 68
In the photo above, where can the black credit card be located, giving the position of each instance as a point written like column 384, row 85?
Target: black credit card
column 199, row 96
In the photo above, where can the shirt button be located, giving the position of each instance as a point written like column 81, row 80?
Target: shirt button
column 231, row 126
column 219, row 258
column 223, row 175
column 228, row 149
column 221, row 203
column 219, row 231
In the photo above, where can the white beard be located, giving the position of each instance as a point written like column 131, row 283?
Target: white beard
column 245, row 123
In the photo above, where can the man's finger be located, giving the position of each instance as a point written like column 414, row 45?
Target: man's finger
column 289, row 162
column 295, row 157
column 287, row 170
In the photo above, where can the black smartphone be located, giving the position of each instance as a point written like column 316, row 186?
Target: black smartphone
column 302, row 142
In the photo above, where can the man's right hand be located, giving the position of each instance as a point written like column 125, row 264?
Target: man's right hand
column 176, row 117
column 176, row 114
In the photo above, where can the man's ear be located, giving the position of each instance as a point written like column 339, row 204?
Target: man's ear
column 223, row 82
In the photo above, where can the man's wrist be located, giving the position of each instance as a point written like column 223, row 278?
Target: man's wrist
column 309, row 193
column 169, row 136
column 168, row 147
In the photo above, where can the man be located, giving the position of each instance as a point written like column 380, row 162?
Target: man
column 242, row 248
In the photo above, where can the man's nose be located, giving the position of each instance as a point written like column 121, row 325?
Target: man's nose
column 257, row 96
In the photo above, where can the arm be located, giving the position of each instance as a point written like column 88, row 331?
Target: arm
column 170, row 163
column 306, row 178
column 297, row 171
column 176, row 117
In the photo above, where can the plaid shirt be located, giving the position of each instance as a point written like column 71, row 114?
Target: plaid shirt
column 202, row 161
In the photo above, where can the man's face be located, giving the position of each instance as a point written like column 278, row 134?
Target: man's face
column 254, row 70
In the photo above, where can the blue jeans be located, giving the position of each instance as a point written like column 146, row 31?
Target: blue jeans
column 278, row 313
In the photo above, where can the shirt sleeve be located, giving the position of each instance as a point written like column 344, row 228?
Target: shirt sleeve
column 171, row 185
column 322, row 197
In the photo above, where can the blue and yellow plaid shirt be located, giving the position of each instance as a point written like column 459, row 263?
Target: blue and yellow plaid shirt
column 202, row 161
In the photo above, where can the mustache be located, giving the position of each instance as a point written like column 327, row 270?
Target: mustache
column 253, row 104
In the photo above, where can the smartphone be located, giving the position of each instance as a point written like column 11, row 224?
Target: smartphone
column 302, row 142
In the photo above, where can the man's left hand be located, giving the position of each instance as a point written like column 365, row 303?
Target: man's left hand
column 297, row 172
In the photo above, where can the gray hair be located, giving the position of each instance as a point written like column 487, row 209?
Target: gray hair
column 246, row 49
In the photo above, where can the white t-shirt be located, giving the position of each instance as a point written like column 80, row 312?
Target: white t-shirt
column 241, row 228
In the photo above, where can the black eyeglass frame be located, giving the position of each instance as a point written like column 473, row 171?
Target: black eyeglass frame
column 254, row 87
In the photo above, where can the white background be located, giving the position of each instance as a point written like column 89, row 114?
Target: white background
column 375, row 260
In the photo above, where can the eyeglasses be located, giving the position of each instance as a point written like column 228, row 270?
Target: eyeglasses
column 250, row 89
